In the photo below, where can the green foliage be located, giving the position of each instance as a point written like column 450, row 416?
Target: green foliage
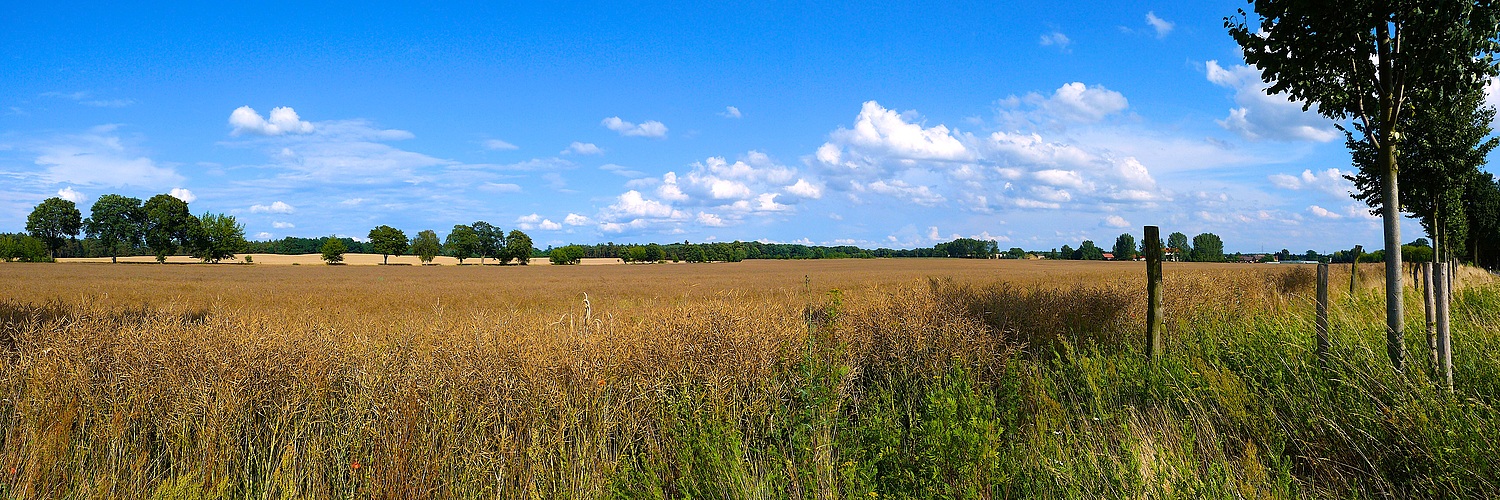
column 333, row 250
column 634, row 253
column 1088, row 251
column 114, row 221
column 426, row 246
column 169, row 225
column 52, row 219
column 388, row 241
column 1015, row 253
column 968, row 248
column 24, row 248
column 491, row 241
column 1125, row 247
column 568, row 255
column 463, row 242
column 654, row 253
column 1207, row 247
column 1179, row 242
column 517, row 247
column 217, row 237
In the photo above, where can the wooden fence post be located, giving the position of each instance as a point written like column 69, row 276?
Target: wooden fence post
column 1429, row 301
column 1322, row 310
column 1444, row 342
column 1354, row 269
column 1155, row 323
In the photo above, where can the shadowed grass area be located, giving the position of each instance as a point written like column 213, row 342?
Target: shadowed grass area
column 930, row 389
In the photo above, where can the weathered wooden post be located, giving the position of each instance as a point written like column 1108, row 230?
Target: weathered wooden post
column 1322, row 310
column 1155, row 323
column 1429, row 301
column 1354, row 269
column 1444, row 342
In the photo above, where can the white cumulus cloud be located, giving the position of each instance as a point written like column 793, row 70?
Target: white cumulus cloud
column 183, row 194
column 283, row 225
column 1116, row 222
column 284, row 120
column 278, row 207
column 67, row 193
column 1323, row 212
column 1266, row 117
column 651, row 128
column 583, row 148
column 1056, row 39
column 731, row 112
column 576, row 220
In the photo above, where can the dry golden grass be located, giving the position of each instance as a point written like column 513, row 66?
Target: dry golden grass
column 406, row 382
column 315, row 259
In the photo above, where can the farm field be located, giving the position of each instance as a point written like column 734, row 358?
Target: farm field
column 313, row 259
column 759, row 379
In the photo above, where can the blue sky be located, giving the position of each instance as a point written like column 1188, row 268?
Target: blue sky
column 875, row 124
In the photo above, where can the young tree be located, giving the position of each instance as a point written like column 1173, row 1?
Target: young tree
column 217, row 237
column 1207, row 247
column 1359, row 61
column 463, row 242
column 1178, row 242
column 51, row 220
column 388, row 241
column 1449, row 140
column 116, row 220
column 333, row 250
column 568, row 255
column 169, row 225
column 491, row 240
column 426, row 246
column 1125, row 247
column 1067, row 253
column 518, row 247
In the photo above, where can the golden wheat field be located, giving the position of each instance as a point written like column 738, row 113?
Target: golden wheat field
column 758, row 379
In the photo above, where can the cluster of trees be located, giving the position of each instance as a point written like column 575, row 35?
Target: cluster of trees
column 292, row 245
column 968, row 248
column 480, row 240
column 1408, row 77
column 1206, row 247
column 120, row 224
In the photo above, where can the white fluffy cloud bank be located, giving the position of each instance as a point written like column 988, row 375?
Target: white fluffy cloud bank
column 1266, row 117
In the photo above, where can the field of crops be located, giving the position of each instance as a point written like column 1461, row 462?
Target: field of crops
column 759, row 379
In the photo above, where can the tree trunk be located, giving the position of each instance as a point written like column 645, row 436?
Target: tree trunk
column 1394, row 309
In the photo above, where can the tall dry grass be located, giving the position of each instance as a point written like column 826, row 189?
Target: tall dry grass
column 751, row 380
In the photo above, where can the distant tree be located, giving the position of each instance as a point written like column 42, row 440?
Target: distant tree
column 51, row 220
column 217, row 237
column 22, row 247
column 491, row 241
column 1016, row 253
column 1420, row 242
column 568, row 255
column 518, row 247
column 426, row 246
column 333, row 250
column 116, row 220
column 634, row 253
column 1284, row 255
column 1207, row 247
column 388, row 241
column 1067, row 253
column 1178, row 242
column 654, row 253
column 462, row 243
column 1125, row 247
column 1088, row 251
column 169, row 225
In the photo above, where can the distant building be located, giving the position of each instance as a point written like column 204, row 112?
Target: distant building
column 1109, row 256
